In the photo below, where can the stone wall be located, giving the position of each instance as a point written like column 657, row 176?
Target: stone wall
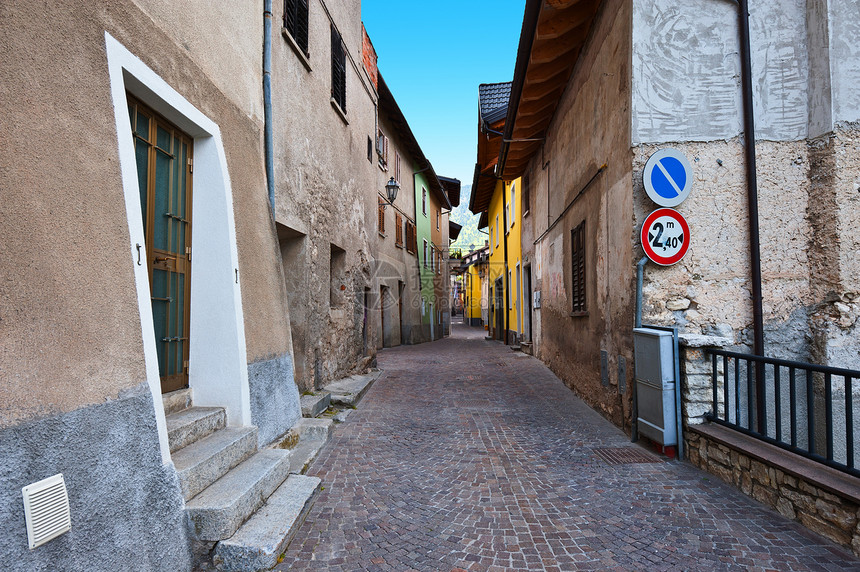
column 826, row 510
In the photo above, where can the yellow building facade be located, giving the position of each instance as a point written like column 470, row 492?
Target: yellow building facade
column 475, row 289
column 504, row 224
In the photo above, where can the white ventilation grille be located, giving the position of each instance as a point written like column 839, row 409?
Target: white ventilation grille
column 46, row 510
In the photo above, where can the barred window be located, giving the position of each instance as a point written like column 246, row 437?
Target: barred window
column 296, row 22
column 338, row 69
column 577, row 239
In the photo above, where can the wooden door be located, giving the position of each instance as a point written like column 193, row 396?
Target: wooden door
column 164, row 166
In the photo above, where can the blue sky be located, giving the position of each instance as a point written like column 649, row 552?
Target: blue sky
column 433, row 55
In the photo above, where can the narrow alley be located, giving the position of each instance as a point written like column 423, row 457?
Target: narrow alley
column 445, row 466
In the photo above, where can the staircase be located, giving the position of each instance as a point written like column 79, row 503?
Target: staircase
column 242, row 499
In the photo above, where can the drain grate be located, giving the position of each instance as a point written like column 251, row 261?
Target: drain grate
column 625, row 455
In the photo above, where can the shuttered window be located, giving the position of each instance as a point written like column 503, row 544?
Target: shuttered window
column 381, row 209
column 398, row 231
column 296, row 22
column 338, row 69
column 577, row 238
column 397, row 166
column 411, row 238
column 382, row 150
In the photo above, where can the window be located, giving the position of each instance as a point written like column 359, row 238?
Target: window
column 411, row 238
column 424, row 201
column 370, row 149
column 490, row 241
column 382, row 149
column 511, row 209
column 526, row 194
column 438, row 218
column 398, row 230
column 497, row 231
column 508, row 291
column 338, row 70
column 397, row 166
column 381, row 209
column 425, row 253
column 577, row 249
column 296, row 23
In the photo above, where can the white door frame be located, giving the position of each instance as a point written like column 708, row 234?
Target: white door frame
column 218, row 371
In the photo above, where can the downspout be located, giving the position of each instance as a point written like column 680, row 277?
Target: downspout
column 752, row 204
column 267, row 102
column 640, row 273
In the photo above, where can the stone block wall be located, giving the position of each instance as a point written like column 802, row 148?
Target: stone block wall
column 834, row 516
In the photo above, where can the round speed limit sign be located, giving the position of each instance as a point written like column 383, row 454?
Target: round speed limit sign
column 665, row 236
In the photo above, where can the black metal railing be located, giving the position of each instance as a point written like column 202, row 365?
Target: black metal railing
column 805, row 408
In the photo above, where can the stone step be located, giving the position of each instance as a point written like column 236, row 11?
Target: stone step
column 304, row 441
column 192, row 424
column 314, row 405
column 205, row 461
column 176, row 400
column 258, row 543
column 218, row 511
column 350, row 390
column 314, row 429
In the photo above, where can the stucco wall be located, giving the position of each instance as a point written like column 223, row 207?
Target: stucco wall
column 708, row 291
column 686, row 70
column 76, row 242
column 844, row 48
column 591, row 127
column 72, row 360
column 325, row 186
column 71, row 333
column 125, row 505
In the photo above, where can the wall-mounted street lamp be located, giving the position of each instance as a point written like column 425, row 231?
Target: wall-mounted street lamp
column 391, row 188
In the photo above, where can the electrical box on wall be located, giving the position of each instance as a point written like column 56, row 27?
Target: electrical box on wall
column 536, row 296
column 655, row 384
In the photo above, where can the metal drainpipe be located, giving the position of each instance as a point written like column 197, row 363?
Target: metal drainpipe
column 267, row 102
column 640, row 272
column 752, row 204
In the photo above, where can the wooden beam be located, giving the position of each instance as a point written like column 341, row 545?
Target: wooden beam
column 535, row 96
column 533, row 91
column 545, row 51
column 547, row 71
column 533, row 108
column 528, row 124
column 556, row 23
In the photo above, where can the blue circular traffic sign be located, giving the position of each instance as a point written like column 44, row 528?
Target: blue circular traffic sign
column 668, row 177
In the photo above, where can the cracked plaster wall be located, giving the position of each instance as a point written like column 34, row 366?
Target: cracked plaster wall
column 326, row 189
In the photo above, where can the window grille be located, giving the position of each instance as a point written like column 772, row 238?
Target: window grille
column 577, row 239
column 296, row 22
column 338, row 69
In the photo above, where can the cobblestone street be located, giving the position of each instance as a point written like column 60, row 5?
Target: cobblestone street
column 467, row 455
